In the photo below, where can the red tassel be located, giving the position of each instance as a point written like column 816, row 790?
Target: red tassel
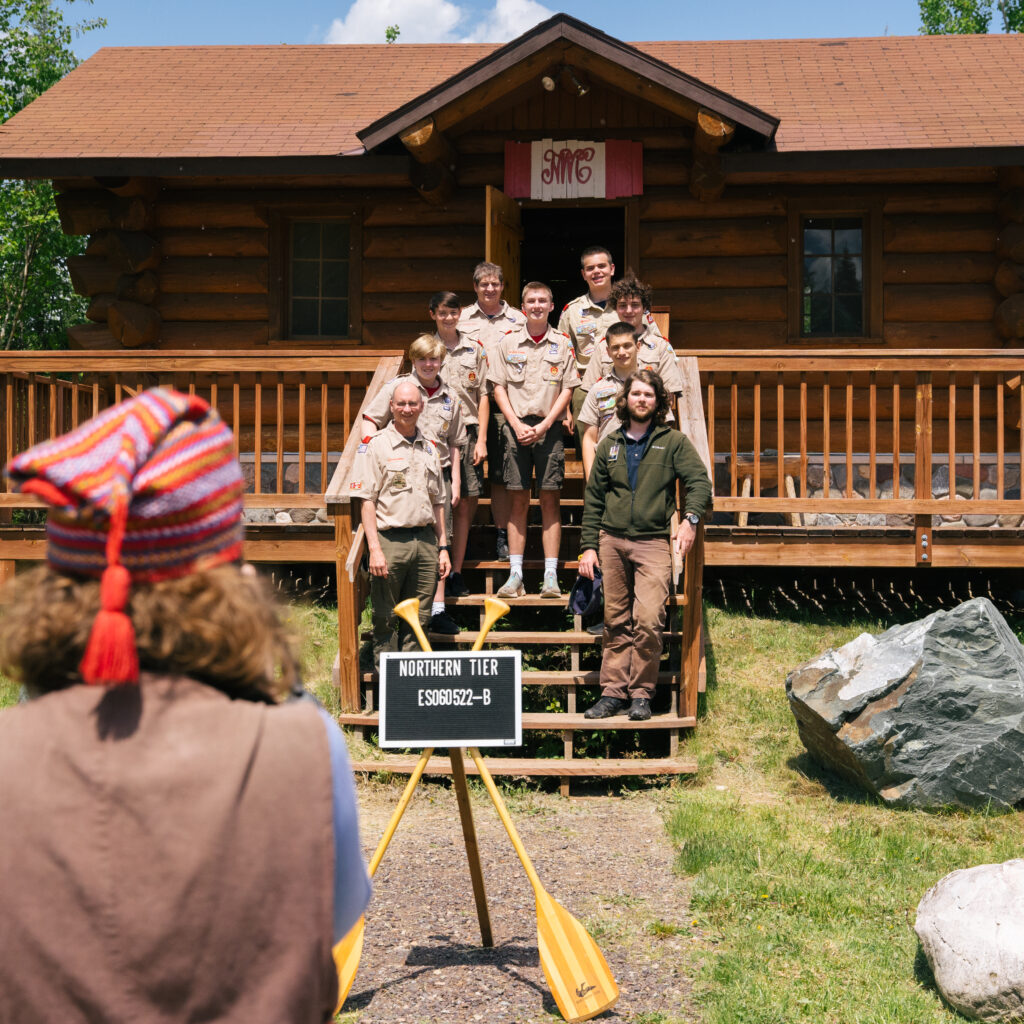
column 111, row 657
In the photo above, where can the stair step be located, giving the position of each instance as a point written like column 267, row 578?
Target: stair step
column 528, row 563
column 567, row 678
column 403, row 764
column 536, row 601
column 558, row 720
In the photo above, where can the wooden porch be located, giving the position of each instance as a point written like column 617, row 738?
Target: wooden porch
column 884, row 458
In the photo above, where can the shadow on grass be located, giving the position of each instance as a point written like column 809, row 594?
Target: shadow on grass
column 835, row 785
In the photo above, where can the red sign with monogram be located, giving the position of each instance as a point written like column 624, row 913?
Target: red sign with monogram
column 572, row 169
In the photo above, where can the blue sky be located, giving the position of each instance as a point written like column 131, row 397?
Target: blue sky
column 146, row 23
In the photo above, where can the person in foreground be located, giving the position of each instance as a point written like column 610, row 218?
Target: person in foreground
column 627, row 516
column 180, row 837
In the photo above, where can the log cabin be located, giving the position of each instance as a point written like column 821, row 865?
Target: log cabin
column 834, row 230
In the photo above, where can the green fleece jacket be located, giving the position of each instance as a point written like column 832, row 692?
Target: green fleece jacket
column 612, row 505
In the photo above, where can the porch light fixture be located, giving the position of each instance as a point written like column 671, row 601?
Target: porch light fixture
column 550, row 82
column 581, row 89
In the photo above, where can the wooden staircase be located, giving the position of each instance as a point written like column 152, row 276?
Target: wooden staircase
column 681, row 679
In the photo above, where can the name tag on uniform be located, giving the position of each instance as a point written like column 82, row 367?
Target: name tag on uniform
column 516, row 359
column 613, row 453
column 553, row 349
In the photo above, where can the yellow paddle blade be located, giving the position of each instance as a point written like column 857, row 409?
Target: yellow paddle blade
column 575, row 968
column 346, row 959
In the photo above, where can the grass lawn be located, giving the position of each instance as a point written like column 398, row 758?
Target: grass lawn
column 804, row 890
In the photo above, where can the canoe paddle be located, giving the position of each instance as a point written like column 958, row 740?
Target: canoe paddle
column 349, row 950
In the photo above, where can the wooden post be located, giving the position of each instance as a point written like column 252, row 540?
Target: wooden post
column 923, row 466
column 693, row 590
column 348, row 619
column 476, row 872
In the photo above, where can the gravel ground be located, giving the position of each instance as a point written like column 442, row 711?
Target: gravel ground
column 606, row 860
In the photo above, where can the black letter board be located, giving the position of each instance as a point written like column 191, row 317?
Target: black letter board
column 451, row 699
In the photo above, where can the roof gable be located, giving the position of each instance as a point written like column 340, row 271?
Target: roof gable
column 565, row 40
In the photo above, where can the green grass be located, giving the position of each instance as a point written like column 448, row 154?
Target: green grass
column 804, row 890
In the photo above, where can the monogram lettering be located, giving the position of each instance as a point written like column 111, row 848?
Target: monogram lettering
column 563, row 165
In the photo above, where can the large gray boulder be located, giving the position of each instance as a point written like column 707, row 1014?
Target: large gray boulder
column 923, row 715
column 971, row 927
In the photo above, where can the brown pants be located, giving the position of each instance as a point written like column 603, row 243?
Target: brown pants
column 635, row 577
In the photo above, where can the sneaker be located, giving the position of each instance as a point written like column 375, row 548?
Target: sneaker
column 550, row 586
column 595, row 629
column 512, row 587
column 639, row 709
column 454, row 586
column 443, row 623
column 606, row 707
column 501, row 546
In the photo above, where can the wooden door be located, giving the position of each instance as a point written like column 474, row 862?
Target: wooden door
column 503, row 238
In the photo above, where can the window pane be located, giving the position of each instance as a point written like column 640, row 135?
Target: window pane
column 335, row 241
column 848, row 275
column 821, row 314
column 818, row 274
column 305, row 279
column 335, row 280
column 306, row 239
column 849, row 240
column 334, row 319
column 304, row 316
column 817, row 235
column 849, row 314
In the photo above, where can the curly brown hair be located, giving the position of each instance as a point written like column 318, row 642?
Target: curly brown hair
column 628, row 287
column 649, row 377
column 219, row 626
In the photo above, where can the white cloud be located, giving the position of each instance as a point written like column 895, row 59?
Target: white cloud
column 436, row 21
column 506, row 20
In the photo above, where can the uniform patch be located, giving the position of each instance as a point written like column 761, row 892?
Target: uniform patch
column 362, row 448
column 589, row 350
column 472, row 377
column 555, row 370
column 613, row 453
column 447, row 401
column 356, row 485
column 553, row 349
column 607, row 403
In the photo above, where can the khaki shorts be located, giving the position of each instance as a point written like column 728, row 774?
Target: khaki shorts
column 496, row 446
column 472, row 476
column 545, row 459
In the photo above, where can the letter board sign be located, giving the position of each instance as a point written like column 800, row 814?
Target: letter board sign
column 451, row 699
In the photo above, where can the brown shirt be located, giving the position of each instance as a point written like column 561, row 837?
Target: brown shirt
column 167, row 856
column 464, row 371
column 533, row 373
column 440, row 421
column 402, row 476
column 489, row 330
column 653, row 352
column 585, row 322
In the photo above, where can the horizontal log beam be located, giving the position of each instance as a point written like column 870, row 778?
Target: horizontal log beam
column 398, row 243
column 233, row 243
column 676, row 240
column 213, row 275
column 85, row 213
column 1010, row 244
column 133, row 324
column 1009, row 318
column 716, row 272
column 946, row 303
column 928, row 335
column 213, row 307
column 427, row 144
column 129, row 251
column 939, row 268
column 927, row 234
column 419, row 276
column 229, row 211
column 725, row 304
column 668, row 204
column 399, row 209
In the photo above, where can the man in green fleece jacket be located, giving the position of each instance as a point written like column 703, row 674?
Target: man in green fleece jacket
column 627, row 515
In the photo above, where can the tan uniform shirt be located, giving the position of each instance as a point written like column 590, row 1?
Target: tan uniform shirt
column 533, row 373
column 585, row 322
column 440, row 421
column 476, row 324
column 598, row 408
column 464, row 371
column 653, row 352
column 403, row 476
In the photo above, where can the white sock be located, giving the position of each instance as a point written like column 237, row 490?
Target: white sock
column 550, row 565
column 516, row 565
column 437, row 608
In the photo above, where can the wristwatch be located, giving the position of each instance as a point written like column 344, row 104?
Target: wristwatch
column 692, row 518
column 442, row 547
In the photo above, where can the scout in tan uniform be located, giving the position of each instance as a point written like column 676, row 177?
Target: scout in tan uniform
column 587, row 317
column 488, row 320
column 397, row 474
column 631, row 300
column 441, row 424
column 533, row 373
column 464, row 371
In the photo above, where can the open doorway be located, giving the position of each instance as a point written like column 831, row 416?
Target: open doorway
column 554, row 237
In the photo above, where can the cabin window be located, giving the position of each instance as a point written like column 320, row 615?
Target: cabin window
column 319, row 258
column 832, row 277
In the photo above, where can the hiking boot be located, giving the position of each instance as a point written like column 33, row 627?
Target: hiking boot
column 454, row 586
column 595, row 629
column 501, row 546
column 549, row 588
column 443, row 623
column 606, row 707
column 639, row 709
column 512, row 587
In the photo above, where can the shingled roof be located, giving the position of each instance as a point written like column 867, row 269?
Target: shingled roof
column 253, row 102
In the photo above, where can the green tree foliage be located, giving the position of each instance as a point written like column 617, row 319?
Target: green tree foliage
column 37, row 303
column 964, row 17
column 391, row 34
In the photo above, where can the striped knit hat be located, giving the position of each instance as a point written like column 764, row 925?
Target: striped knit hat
column 148, row 490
